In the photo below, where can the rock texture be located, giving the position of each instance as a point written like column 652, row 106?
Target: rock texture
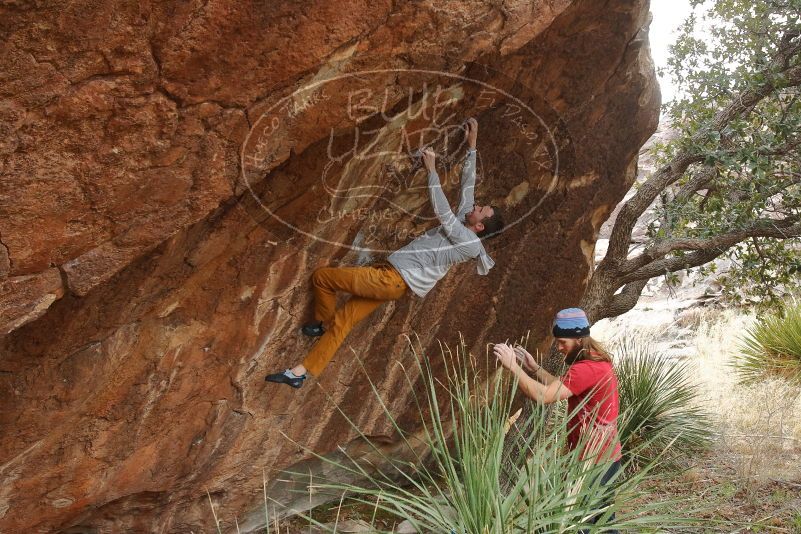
column 158, row 228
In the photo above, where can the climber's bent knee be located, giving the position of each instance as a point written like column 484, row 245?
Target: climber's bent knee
column 319, row 275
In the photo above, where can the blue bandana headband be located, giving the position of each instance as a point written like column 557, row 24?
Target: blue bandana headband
column 571, row 323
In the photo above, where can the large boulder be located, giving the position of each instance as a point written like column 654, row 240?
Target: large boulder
column 171, row 174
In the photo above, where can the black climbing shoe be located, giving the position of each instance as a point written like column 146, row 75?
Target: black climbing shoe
column 287, row 377
column 313, row 329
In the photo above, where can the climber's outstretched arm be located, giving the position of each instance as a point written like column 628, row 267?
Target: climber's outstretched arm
column 467, row 195
column 454, row 229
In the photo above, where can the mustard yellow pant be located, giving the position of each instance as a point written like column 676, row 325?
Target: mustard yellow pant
column 369, row 288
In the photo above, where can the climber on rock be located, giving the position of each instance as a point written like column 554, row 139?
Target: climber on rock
column 417, row 267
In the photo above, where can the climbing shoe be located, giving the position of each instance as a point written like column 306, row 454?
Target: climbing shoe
column 287, row 377
column 313, row 329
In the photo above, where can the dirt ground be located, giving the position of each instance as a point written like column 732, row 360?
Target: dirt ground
column 714, row 490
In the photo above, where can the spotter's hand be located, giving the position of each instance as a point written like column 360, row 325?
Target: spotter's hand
column 526, row 359
column 506, row 356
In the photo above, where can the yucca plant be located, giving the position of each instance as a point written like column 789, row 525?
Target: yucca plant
column 662, row 414
column 772, row 347
column 458, row 487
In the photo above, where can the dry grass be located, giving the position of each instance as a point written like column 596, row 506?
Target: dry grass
column 751, row 479
column 759, row 423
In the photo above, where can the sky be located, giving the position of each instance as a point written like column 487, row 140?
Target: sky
column 668, row 15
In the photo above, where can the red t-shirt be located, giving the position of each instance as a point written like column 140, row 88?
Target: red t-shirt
column 597, row 382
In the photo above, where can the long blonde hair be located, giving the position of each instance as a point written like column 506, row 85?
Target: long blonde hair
column 592, row 349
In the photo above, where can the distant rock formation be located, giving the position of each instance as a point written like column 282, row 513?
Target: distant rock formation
column 173, row 172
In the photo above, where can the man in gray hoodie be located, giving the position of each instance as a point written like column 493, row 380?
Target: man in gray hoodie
column 417, row 267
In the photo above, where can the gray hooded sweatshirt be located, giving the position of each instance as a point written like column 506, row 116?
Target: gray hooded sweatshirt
column 424, row 261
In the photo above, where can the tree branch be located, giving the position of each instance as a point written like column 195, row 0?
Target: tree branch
column 700, row 180
column 619, row 304
column 652, row 262
column 740, row 105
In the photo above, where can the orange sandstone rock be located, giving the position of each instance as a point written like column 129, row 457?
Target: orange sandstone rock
column 183, row 167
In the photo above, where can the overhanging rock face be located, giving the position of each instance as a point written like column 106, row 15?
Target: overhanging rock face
column 172, row 173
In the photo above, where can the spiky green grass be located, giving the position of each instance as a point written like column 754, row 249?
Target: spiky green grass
column 772, row 347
